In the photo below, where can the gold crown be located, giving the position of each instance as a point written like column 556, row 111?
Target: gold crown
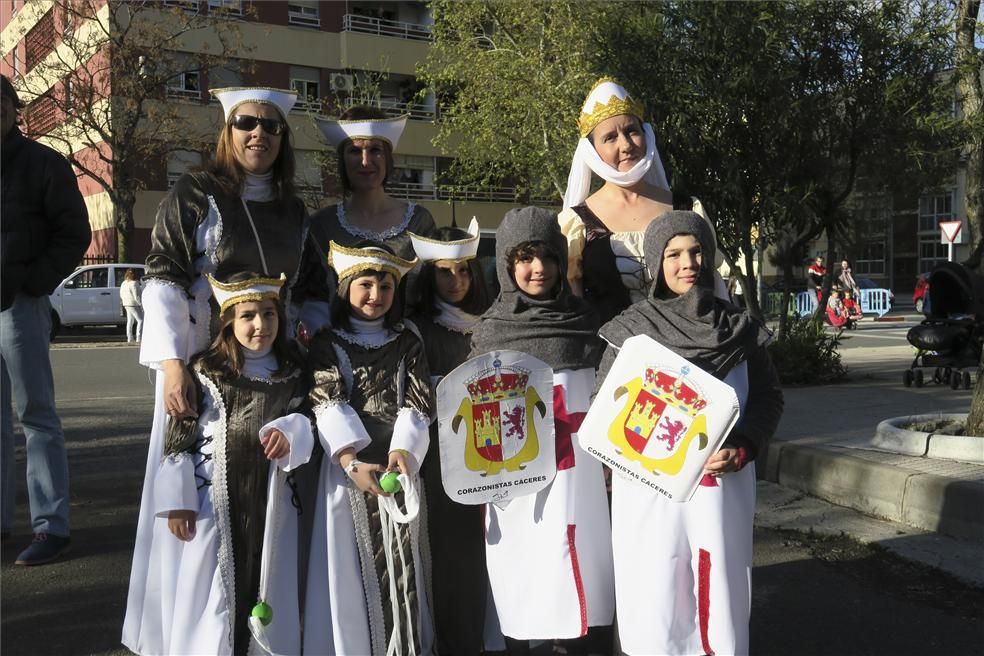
column 613, row 106
column 673, row 390
column 498, row 383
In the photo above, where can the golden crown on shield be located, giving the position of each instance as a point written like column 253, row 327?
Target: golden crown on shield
column 495, row 385
column 671, row 388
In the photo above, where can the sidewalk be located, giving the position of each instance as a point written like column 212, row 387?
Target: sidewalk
column 825, row 447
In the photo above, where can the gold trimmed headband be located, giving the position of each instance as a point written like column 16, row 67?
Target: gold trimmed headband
column 606, row 99
column 349, row 261
column 228, row 294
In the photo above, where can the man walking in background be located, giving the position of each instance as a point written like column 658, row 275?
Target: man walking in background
column 45, row 230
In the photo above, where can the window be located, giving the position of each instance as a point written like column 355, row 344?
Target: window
column 16, row 62
column 69, row 96
column 871, row 259
column 68, row 26
column 89, row 279
column 304, row 13
column 190, row 6
column 872, row 222
column 227, row 7
column 307, row 83
column 934, row 208
column 185, row 85
column 180, row 162
column 931, row 252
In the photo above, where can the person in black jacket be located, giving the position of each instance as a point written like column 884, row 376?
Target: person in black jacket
column 45, row 233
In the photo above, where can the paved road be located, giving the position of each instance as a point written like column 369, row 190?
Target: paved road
column 811, row 596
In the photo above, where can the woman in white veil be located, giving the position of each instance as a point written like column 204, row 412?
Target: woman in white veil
column 605, row 229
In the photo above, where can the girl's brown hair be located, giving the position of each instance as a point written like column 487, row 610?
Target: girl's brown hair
column 361, row 113
column 227, row 171
column 224, row 356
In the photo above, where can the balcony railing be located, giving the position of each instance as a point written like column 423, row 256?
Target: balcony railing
column 420, row 191
column 394, row 108
column 184, row 94
column 310, row 105
column 190, row 6
column 384, row 27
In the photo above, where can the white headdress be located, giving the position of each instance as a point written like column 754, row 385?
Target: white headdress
column 606, row 99
column 388, row 129
column 233, row 97
column 350, row 261
column 431, row 250
column 252, row 289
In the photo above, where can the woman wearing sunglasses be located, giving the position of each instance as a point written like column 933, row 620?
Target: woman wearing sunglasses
column 238, row 214
column 364, row 139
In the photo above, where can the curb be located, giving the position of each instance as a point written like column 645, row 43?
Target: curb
column 889, row 436
column 927, row 501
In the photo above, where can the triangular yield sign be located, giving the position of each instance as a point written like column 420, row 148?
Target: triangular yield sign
column 950, row 229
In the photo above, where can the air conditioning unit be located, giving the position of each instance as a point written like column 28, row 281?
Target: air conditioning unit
column 341, row 82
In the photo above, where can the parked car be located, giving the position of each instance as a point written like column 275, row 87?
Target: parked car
column 90, row 296
column 921, row 294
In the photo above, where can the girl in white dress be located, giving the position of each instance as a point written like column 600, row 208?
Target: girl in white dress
column 224, row 490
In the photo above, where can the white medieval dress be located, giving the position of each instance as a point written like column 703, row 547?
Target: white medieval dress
column 549, row 554
column 683, row 570
column 245, row 546
column 367, row 576
column 200, row 229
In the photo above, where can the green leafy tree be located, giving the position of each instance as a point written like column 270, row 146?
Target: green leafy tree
column 787, row 105
column 106, row 78
column 510, row 78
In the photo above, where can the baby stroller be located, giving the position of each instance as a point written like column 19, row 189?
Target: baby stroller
column 949, row 340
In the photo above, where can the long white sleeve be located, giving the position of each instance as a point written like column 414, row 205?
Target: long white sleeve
column 167, row 324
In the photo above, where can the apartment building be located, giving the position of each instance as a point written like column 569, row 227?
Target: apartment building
column 332, row 53
column 336, row 52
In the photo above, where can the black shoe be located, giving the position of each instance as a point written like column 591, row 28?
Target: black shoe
column 45, row 548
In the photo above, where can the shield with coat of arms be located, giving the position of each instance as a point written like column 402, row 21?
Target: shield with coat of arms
column 497, row 442
column 657, row 418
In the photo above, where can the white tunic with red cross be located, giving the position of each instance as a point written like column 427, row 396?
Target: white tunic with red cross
column 683, row 570
column 549, row 554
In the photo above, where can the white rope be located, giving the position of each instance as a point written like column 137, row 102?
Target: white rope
column 370, row 578
column 270, row 533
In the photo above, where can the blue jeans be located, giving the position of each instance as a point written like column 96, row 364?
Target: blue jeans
column 25, row 328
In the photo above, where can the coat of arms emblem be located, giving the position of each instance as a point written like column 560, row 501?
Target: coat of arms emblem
column 657, row 418
column 495, row 429
column 499, row 436
column 660, row 421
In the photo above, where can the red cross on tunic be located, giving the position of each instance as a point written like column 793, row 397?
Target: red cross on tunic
column 565, row 425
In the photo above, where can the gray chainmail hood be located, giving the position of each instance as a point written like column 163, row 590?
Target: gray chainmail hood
column 709, row 332
column 561, row 330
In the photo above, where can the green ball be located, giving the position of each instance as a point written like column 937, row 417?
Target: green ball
column 263, row 612
column 390, row 482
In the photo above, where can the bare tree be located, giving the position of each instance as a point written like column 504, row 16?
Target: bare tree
column 100, row 93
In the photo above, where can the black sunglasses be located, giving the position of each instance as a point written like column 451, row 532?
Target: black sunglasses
column 248, row 123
